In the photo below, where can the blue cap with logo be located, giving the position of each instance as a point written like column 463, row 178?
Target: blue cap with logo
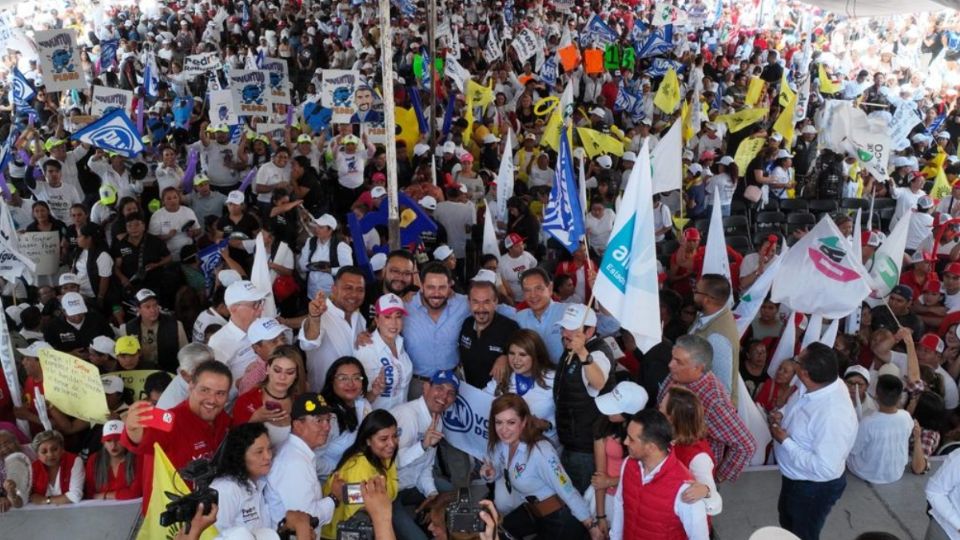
column 446, row 376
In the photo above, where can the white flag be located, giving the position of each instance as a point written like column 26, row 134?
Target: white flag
column 715, row 259
column 753, row 298
column 852, row 325
column 490, row 246
column 820, row 274
column 786, row 345
column 627, row 277
column 465, row 423
column 9, row 366
column 667, row 162
column 505, row 177
column 260, row 277
column 756, row 421
column 887, row 262
column 13, row 263
column 458, row 73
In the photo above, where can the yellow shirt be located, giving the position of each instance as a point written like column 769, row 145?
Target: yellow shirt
column 356, row 469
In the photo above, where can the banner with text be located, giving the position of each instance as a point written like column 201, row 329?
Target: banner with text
column 249, row 88
column 337, row 92
column 60, row 59
column 73, row 386
column 105, row 100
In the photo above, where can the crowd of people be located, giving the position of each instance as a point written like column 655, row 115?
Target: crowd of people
column 234, row 287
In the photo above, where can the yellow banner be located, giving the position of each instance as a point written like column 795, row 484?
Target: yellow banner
column 668, row 95
column 166, row 481
column 827, row 86
column 480, row 95
column 134, row 380
column 741, row 119
column 747, row 150
column 73, row 386
column 784, row 124
column 596, row 143
column 754, row 91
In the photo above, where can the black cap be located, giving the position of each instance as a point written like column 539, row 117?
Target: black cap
column 309, row 404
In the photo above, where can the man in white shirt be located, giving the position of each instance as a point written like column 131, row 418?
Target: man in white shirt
column 649, row 496
column 419, row 430
column 292, row 483
column 513, row 263
column 332, row 325
column 58, row 195
column 906, row 197
column 599, row 224
column 943, row 494
column 814, row 435
column 175, row 224
column 880, row 451
column 230, row 344
column 921, row 223
column 218, row 157
column 111, row 167
column 457, row 214
column 271, row 175
column 58, row 149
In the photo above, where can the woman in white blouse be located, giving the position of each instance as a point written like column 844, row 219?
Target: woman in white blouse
column 344, row 390
column 385, row 363
column 58, row 475
column 530, row 376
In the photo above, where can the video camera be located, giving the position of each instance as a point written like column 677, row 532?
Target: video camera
column 463, row 516
column 358, row 527
column 182, row 508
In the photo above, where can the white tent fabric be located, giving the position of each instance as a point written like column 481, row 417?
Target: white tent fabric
column 881, row 8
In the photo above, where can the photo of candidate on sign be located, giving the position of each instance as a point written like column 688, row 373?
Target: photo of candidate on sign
column 249, row 89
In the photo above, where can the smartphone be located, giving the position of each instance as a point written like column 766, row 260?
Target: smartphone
column 272, row 406
column 158, row 419
column 351, row 494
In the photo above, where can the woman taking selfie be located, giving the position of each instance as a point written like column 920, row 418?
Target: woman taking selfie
column 372, row 454
column 112, row 473
column 57, row 474
column 271, row 401
column 343, row 389
column 527, row 467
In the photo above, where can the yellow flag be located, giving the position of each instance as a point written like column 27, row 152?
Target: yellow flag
column 408, row 129
column 618, row 133
column 786, row 94
column 165, row 480
column 668, row 95
column 479, row 94
column 754, row 91
column 741, row 119
column 784, row 124
column 941, row 186
column 596, row 143
column 551, row 132
column 827, row 86
column 468, row 131
column 747, row 150
column 686, row 129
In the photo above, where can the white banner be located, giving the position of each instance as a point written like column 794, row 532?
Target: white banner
column 337, row 92
column 666, row 13
column 887, row 262
column 13, row 263
column 466, row 424
column 278, row 85
column 10, row 369
column 106, row 99
column 505, row 178
column 752, row 299
column 60, row 59
column 902, row 124
column 525, row 44
column 43, row 248
column 249, row 90
column 198, row 64
column 222, row 111
column 667, row 161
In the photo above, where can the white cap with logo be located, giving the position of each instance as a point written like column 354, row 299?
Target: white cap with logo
column 242, row 291
column 574, row 318
column 627, row 397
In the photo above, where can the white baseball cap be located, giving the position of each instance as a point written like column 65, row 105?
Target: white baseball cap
column 33, row 350
column 490, row 138
column 597, row 111
column 242, row 291
column 573, row 317
column 235, row 197
column 228, row 277
column 103, row 345
column 726, row 161
column 629, row 156
column 112, row 384
column 377, row 192
column 428, row 202
column 442, row 252
column 73, row 304
column 809, row 129
column 695, row 169
column 145, row 294
column 264, row 328
column 485, row 275
column 390, row 303
column 605, row 161
column 421, row 149
column 378, row 261
column 627, row 397
column 449, row 147
column 113, row 428
column 68, row 278
column 326, row 220
column 783, row 154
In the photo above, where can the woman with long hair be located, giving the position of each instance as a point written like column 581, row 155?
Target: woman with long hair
column 386, row 364
column 344, row 389
column 685, row 412
column 305, row 182
column 113, row 472
column 58, row 475
column 527, row 470
column 241, row 468
column 372, row 454
column 93, row 265
column 529, row 374
column 271, row 400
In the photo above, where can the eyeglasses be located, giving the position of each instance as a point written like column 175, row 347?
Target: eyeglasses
column 349, row 378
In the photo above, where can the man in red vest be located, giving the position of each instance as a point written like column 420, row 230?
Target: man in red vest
column 652, row 482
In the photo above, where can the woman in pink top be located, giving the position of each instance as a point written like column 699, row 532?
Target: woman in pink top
column 625, row 400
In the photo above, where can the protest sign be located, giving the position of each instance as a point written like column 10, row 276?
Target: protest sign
column 526, row 44
column 106, row 99
column 249, row 90
column 337, row 92
column 198, row 64
column 492, row 51
column 134, row 380
column 43, row 248
column 222, row 111
column 60, row 59
column 278, row 85
column 73, row 386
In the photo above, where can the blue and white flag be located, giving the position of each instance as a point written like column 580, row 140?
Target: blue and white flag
column 210, row 259
column 627, row 276
column 406, row 7
column 548, row 73
column 562, row 217
column 661, row 66
column 597, row 33
column 114, row 132
column 466, row 424
column 21, row 93
column 717, row 14
column 151, row 76
column 936, row 125
column 508, row 13
column 629, row 102
column 657, row 43
column 108, row 53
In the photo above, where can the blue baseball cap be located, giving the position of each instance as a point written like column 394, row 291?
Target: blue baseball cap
column 446, row 376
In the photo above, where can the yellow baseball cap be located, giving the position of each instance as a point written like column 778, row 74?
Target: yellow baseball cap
column 127, row 345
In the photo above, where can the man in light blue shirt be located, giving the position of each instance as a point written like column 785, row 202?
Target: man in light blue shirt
column 431, row 329
column 542, row 313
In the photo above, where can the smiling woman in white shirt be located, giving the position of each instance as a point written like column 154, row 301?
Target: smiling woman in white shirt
column 386, row 364
column 242, row 466
column 344, row 390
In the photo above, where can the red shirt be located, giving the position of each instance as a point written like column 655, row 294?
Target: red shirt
column 191, row 438
column 6, row 402
column 28, row 400
column 246, row 405
column 115, row 482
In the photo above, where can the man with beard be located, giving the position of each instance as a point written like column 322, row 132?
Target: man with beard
column 483, row 336
column 399, row 278
column 716, row 324
column 333, row 324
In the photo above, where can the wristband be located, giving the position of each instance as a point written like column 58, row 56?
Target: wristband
column 335, row 499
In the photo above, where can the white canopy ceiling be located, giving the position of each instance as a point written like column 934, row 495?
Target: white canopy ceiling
column 880, row 8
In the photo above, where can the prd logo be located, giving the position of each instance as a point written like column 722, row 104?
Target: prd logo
column 828, row 258
column 459, row 417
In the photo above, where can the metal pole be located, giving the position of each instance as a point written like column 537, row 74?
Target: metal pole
column 386, row 44
column 431, row 118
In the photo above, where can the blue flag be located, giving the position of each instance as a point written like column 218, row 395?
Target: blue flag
column 661, row 66
column 359, row 248
column 937, row 124
column 418, row 108
column 151, row 77
column 417, row 223
column 182, row 108
column 113, row 132
column 448, row 115
column 657, row 43
column 21, row 93
column 108, row 52
column 562, row 217
column 210, row 259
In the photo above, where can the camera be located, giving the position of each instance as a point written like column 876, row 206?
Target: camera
column 463, row 516
column 286, row 533
column 182, row 508
column 358, row 527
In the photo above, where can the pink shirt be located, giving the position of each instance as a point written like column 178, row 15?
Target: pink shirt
column 614, row 452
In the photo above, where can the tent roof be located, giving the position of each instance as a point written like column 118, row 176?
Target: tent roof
column 880, row 8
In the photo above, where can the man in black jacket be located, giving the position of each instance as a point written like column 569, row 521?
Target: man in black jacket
column 75, row 329
column 161, row 336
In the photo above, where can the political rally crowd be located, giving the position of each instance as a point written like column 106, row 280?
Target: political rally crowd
column 643, row 246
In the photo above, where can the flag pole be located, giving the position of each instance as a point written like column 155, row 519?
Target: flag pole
column 386, row 45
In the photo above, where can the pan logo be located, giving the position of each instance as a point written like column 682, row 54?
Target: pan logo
column 459, row 417
column 112, row 137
